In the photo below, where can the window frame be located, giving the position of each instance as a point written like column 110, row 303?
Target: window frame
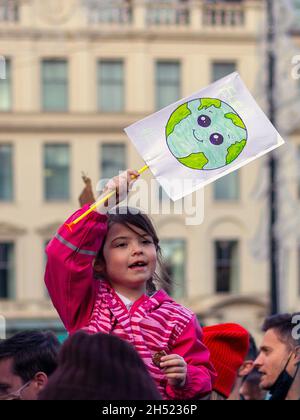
column 112, row 84
column 233, row 288
column 158, row 82
column 9, row 79
column 12, row 147
column 101, row 160
column 11, row 285
column 66, row 82
column 184, row 284
column 45, row 169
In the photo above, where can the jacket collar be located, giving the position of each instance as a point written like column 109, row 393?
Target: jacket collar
column 149, row 303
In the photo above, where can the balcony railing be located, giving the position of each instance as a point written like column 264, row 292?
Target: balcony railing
column 143, row 15
column 109, row 11
column 9, row 10
column 168, row 12
column 221, row 15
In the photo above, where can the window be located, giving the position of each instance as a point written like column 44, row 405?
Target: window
column 299, row 269
column 6, row 172
column 174, row 254
column 55, row 88
column 113, row 160
column 5, row 87
column 296, row 11
column 57, row 172
column 168, row 84
column 227, row 266
column 228, row 187
column 111, row 86
column 220, row 70
column 7, row 280
column 298, row 172
column 9, row 10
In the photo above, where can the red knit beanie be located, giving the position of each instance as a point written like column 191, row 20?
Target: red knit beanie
column 228, row 345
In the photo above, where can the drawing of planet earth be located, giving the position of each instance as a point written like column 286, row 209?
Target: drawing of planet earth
column 206, row 134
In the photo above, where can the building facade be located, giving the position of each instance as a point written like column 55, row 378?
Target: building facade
column 77, row 73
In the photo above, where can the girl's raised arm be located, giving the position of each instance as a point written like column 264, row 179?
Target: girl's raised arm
column 69, row 272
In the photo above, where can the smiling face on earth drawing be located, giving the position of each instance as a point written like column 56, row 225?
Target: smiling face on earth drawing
column 206, row 134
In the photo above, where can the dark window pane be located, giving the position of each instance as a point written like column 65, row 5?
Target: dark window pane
column 174, row 254
column 57, row 172
column 220, row 70
column 6, row 172
column 113, row 160
column 55, row 85
column 111, row 86
column 228, row 187
column 168, row 83
column 5, row 86
column 227, row 266
column 7, row 281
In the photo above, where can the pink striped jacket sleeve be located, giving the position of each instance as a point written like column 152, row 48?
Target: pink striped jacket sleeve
column 200, row 372
column 69, row 273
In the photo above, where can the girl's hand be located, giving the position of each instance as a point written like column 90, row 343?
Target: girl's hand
column 175, row 369
column 121, row 185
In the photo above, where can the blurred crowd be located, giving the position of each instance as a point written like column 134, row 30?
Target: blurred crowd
column 33, row 365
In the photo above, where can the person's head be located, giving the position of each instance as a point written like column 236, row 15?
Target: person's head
column 26, row 361
column 280, row 350
column 216, row 396
column 131, row 255
column 250, row 389
column 99, row 367
column 248, row 363
column 228, row 345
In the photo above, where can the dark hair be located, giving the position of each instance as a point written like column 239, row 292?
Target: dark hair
column 131, row 217
column 283, row 326
column 99, row 367
column 252, row 353
column 32, row 352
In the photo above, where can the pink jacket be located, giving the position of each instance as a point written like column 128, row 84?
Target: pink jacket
column 153, row 323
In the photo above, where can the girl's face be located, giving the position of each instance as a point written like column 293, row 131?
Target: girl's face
column 130, row 257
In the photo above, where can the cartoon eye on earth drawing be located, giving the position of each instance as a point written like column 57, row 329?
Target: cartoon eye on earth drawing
column 206, row 134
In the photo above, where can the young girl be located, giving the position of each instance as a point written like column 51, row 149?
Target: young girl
column 102, row 278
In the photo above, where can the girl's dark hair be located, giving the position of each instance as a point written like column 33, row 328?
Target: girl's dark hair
column 131, row 217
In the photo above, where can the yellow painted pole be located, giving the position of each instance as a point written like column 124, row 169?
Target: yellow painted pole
column 98, row 203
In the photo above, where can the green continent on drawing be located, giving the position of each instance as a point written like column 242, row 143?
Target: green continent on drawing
column 206, row 134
